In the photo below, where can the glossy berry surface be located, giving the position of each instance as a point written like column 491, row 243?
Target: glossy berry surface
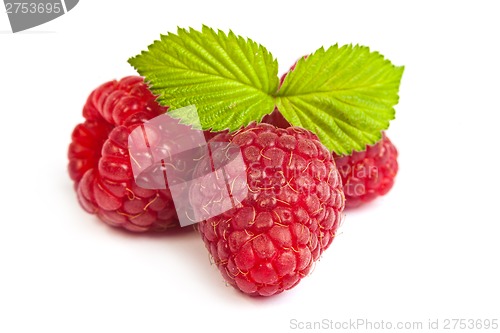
column 368, row 174
column 269, row 241
column 99, row 162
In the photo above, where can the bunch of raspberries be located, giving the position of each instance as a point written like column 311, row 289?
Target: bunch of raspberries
column 266, row 243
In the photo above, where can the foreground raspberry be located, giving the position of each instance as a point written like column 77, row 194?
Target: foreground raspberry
column 99, row 162
column 269, row 241
column 368, row 174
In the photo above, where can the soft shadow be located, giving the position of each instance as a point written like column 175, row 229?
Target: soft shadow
column 176, row 232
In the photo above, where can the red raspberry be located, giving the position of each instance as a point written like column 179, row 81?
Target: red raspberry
column 368, row 174
column 99, row 160
column 269, row 241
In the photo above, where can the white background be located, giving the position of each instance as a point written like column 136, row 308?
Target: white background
column 429, row 249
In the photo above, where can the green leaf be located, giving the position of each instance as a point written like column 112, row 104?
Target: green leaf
column 231, row 80
column 345, row 95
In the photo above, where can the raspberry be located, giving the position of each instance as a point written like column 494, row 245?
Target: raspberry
column 269, row 241
column 99, row 162
column 368, row 174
